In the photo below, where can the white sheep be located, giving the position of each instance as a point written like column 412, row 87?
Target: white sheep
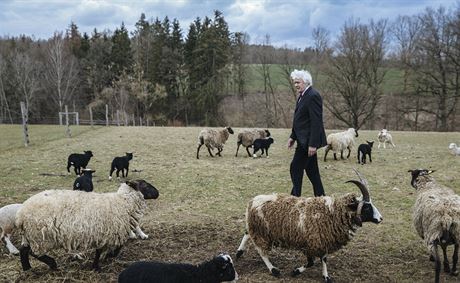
column 7, row 224
column 80, row 221
column 385, row 137
column 436, row 218
column 213, row 138
column 338, row 142
column 248, row 136
column 454, row 149
column 316, row 226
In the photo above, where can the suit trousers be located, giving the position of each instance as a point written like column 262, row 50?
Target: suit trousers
column 300, row 162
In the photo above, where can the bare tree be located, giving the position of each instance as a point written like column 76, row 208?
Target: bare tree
column 355, row 73
column 61, row 71
column 4, row 106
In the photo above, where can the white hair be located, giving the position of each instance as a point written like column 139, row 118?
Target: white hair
column 303, row 75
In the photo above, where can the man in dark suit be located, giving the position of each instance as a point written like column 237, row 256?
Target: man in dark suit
column 308, row 131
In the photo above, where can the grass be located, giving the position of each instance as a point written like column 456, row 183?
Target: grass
column 201, row 207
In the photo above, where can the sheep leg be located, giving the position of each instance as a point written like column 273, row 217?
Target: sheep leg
column 370, row 157
column 96, row 260
column 75, row 168
column 127, row 171
column 11, row 248
column 118, row 173
column 242, row 246
column 254, row 155
column 326, row 277
column 198, row 151
column 325, row 153
column 47, row 260
column 266, row 152
column 434, row 252
column 140, row 233
column 349, row 152
column 341, row 155
column 446, row 260
column 237, row 148
column 209, row 150
column 24, row 254
column 273, row 270
column 247, row 149
column 299, row 270
column 219, row 150
column 454, row 271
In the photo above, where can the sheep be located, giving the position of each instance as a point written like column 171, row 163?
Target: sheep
column 79, row 161
column 121, row 163
column 247, row 137
column 263, row 145
column 341, row 141
column 454, row 149
column 213, row 138
column 85, row 181
column 316, row 226
column 363, row 150
column 7, row 224
column 80, row 221
column 218, row 269
column 385, row 137
column 436, row 218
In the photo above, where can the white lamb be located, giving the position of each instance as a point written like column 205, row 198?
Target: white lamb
column 454, row 149
column 338, row 142
column 7, row 224
column 385, row 137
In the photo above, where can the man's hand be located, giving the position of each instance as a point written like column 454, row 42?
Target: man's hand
column 290, row 143
column 311, row 151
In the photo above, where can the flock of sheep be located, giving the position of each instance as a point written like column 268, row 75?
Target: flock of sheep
column 82, row 220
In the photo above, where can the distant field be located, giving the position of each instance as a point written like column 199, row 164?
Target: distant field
column 200, row 211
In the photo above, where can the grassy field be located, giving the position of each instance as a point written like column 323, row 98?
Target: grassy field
column 200, row 211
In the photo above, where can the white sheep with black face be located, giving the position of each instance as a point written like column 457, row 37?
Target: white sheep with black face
column 436, row 218
column 213, row 138
column 454, row 149
column 385, row 137
column 316, row 226
column 338, row 142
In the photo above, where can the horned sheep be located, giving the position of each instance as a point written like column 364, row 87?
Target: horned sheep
column 338, row 142
column 247, row 137
column 316, row 226
column 436, row 218
column 385, row 137
column 7, row 224
column 80, row 221
column 219, row 269
column 213, row 138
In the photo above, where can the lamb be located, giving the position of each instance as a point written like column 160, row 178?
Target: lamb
column 263, row 145
column 454, row 149
column 316, row 226
column 7, row 224
column 121, row 163
column 79, row 161
column 341, row 141
column 436, row 218
column 85, row 181
column 213, row 138
column 363, row 150
column 247, row 137
column 385, row 137
column 80, row 221
column 218, row 269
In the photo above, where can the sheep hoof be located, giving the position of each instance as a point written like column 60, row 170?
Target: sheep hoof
column 239, row 253
column 254, row 156
column 144, row 237
column 454, row 273
column 295, row 272
column 328, row 279
column 110, row 178
column 275, row 272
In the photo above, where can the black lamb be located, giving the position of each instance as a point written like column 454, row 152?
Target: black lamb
column 363, row 150
column 121, row 163
column 85, row 181
column 78, row 161
column 219, row 269
column 262, row 144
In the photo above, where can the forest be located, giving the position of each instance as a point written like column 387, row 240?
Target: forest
column 402, row 75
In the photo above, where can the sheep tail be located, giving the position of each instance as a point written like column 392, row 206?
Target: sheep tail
column 447, row 228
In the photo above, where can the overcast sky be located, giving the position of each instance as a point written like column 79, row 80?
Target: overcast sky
column 288, row 22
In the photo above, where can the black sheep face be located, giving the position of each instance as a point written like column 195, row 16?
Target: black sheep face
column 267, row 132
column 129, row 155
column 370, row 143
column 147, row 189
column 224, row 267
column 88, row 172
column 89, row 153
column 417, row 173
column 230, row 130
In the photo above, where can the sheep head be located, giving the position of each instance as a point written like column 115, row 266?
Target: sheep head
column 89, row 153
column 230, row 130
column 417, row 173
column 147, row 190
column 365, row 210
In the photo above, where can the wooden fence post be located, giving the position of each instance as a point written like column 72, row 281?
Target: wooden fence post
column 134, row 120
column 77, row 119
column 68, row 133
column 118, row 118
column 91, row 116
column 140, row 121
column 107, row 115
column 25, row 122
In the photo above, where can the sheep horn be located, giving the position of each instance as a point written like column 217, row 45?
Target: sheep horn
column 363, row 189
column 363, row 180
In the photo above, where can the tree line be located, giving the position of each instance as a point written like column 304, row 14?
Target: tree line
column 172, row 77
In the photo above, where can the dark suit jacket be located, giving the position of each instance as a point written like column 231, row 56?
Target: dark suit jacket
column 307, row 125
